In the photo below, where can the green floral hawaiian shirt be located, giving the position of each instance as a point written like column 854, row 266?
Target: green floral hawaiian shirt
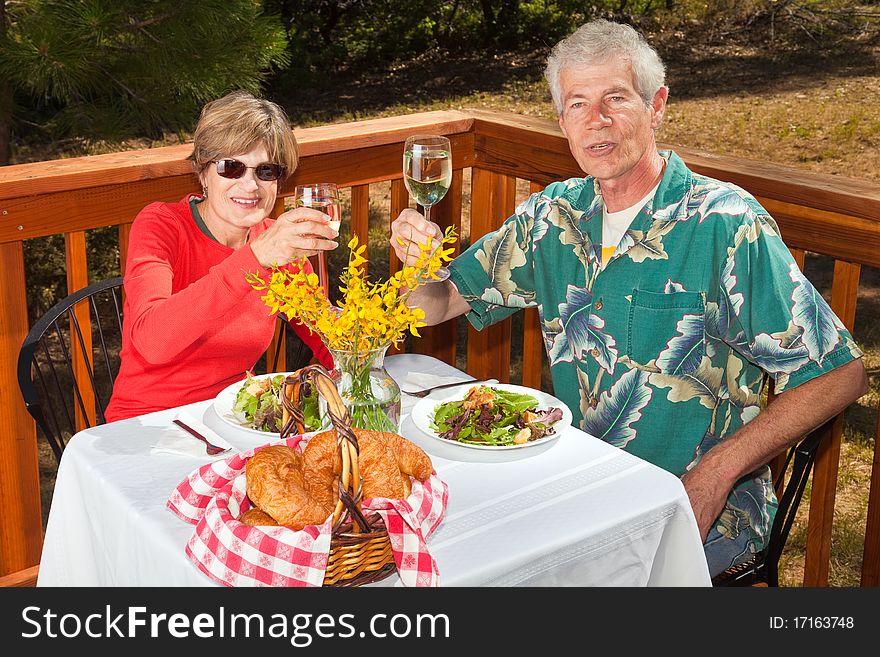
column 663, row 352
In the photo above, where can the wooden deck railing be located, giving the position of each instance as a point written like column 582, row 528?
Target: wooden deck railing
column 822, row 214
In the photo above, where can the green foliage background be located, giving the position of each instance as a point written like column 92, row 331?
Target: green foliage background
column 116, row 68
column 81, row 70
column 76, row 75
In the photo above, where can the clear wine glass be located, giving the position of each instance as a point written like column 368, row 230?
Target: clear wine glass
column 427, row 174
column 324, row 197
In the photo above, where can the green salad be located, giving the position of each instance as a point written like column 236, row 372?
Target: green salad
column 491, row 416
column 258, row 404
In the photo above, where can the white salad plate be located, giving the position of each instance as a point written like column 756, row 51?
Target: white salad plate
column 422, row 416
column 224, row 402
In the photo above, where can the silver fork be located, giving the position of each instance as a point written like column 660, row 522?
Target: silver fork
column 212, row 449
column 428, row 391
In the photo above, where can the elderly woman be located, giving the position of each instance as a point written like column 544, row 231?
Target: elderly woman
column 193, row 324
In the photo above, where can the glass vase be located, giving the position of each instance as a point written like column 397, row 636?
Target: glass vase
column 369, row 393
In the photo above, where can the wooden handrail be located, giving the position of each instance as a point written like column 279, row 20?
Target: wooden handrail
column 77, row 173
column 830, row 215
column 545, row 141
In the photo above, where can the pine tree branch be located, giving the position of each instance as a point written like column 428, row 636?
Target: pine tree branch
column 152, row 38
column 120, row 84
column 152, row 21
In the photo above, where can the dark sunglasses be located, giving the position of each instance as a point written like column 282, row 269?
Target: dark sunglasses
column 234, row 169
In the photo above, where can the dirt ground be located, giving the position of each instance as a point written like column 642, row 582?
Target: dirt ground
column 811, row 109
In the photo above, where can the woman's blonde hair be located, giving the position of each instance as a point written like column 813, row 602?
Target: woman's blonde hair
column 239, row 122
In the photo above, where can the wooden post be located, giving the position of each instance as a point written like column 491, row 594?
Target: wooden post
column 493, row 198
column 360, row 216
column 21, row 535
column 871, row 555
column 276, row 354
column 399, row 202
column 533, row 340
column 777, row 462
column 439, row 341
column 124, row 236
column 818, row 557
column 78, row 278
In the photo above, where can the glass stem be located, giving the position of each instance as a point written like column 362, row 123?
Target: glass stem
column 323, row 274
column 425, row 279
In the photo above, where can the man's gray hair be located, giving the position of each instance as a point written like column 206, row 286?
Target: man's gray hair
column 597, row 42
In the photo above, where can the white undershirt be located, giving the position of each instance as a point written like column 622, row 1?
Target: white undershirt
column 614, row 224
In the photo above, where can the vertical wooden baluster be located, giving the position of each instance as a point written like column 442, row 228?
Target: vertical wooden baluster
column 777, row 462
column 124, row 237
column 533, row 341
column 493, row 200
column 844, row 294
column 21, row 536
column 871, row 555
column 360, row 216
column 78, row 278
column 278, row 347
column 276, row 352
column 399, row 201
column 439, row 341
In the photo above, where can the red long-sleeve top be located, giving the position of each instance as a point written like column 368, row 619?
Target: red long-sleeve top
column 192, row 323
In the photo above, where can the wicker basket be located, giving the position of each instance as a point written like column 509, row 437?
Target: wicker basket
column 360, row 549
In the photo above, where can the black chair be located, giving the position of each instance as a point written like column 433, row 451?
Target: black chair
column 56, row 392
column 64, row 362
column 763, row 568
column 298, row 353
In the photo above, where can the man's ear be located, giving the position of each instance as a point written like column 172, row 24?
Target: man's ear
column 562, row 127
column 658, row 107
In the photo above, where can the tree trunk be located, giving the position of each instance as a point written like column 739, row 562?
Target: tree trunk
column 5, row 123
column 329, row 21
column 5, row 103
column 443, row 36
column 499, row 24
column 490, row 27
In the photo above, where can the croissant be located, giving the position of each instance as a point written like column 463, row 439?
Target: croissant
column 321, row 467
column 411, row 459
column 386, row 461
column 295, row 490
column 257, row 517
column 276, row 485
column 382, row 477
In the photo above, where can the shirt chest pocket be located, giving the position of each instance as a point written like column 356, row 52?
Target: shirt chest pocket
column 668, row 329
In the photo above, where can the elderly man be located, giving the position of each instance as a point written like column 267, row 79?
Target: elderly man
column 664, row 298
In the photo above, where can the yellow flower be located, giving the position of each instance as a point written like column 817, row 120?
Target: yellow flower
column 371, row 315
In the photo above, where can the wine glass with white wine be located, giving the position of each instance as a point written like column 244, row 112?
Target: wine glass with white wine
column 323, row 197
column 427, row 174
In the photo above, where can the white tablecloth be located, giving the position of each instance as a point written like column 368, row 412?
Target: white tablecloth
column 576, row 513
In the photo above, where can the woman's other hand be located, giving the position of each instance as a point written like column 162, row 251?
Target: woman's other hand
column 297, row 233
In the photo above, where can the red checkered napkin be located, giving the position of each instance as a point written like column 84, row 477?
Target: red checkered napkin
column 236, row 554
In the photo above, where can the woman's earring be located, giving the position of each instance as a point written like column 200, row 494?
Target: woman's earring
column 205, row 191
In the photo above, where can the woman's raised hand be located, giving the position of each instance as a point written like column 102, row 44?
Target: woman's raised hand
column 297, row 233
